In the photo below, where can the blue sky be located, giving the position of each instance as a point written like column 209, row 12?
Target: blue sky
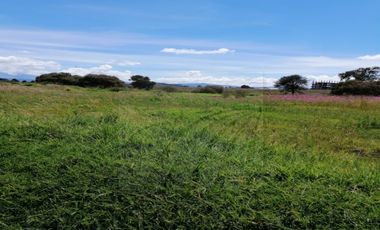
column 214, row 41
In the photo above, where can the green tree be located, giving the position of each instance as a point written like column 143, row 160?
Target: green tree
column 362, row 81
column 292, row 83
column 58, row 78
column 100, row 80
column 141, row 82
column 361, row 74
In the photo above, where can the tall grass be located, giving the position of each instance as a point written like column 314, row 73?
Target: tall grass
column 89, row 158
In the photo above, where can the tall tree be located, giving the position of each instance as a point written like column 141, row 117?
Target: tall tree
column 141, row 82
column 361, row 74
column 292, row 83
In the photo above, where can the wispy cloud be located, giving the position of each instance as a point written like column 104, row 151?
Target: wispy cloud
column 370, row 57
column 96, row 40
column 196, row 52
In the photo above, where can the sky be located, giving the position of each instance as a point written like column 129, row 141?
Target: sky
column 228, row 42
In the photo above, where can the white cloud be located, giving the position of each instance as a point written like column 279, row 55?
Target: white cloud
column 196, row 76
column 22, row 65
column 322, row 78
column 370, row 57
column 13, row 65
column 196, row 52
column 127, row 63
column 102, row 69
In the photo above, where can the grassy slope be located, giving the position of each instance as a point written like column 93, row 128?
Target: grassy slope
column 86, row 158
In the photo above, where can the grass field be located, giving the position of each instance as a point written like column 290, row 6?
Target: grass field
column 85, row 158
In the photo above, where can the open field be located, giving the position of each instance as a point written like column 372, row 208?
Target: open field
column 84, row 158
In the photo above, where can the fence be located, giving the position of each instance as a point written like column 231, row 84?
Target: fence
column 323, row 84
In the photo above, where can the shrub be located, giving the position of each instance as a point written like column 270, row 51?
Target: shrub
column 100, row 80
column 354, row 87
column 141, row 82
column 90, row 80
column 239, row 93
column 369, row 123
column 58, row 78
column 214, row 89
column 227, row 93
column 169, row 89
column 115, row 89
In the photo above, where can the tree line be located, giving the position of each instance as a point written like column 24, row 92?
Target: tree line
column 95, row 80
column 362, row 81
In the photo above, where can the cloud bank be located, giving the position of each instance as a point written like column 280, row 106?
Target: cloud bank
column 22, row 65
column 102, row 69
column 196, row 76
column 370, row 57
column 14, row 66
column 196, row 52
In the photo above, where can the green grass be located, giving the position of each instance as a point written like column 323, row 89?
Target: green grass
column 89, row 158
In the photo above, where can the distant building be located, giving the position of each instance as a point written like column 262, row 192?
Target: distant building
column 323, row 84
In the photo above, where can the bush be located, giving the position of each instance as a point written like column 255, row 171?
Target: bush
column 239, row 93
column 169, row 89
column 58, row 78
column 116, row 89
column 90, row 80
column 100, row 80
column 141, row 82
column 227, row 93
column 354, row 87
column 210, row 89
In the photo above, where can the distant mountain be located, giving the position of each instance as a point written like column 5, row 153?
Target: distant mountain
column 195, row 84
column 192, row 85
column 159, row 84
column 20, row 77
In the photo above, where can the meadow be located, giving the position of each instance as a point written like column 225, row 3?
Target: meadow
column 74, row 157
